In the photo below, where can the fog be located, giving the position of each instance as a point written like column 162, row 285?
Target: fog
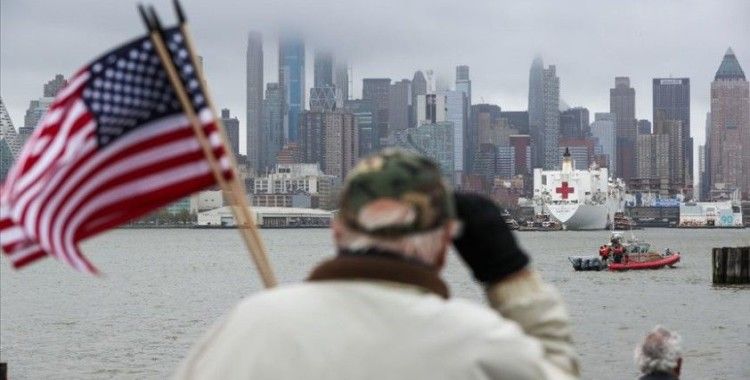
column 590, row 42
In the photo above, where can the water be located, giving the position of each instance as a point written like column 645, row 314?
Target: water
column 162, row 289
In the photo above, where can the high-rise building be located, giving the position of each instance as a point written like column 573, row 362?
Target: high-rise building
column 323, row 69
column 331, row 139
column 364, row 117
column 574, row 123
column 10, row 144
column 418, row 87
column 729, row 135
column 54, row 86
column 323, row 98
column 603, row 130
column 292, row 82
column 671, row 101
column 434, row 140
column 399, row 105
column 378, row 90
column 341, row 82
column 701, row 172
column 232, row 127
column 544, row 114
column 463, row 84
column 644, row 127
column 622, row 107
column 517, row 119
column 521, row 145
column 430, row 108
column 272, row 135
column 481, row 116
column 38, row 107
column 456, row 107
column 254, row 102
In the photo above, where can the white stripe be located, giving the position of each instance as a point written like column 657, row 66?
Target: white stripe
column 136, row 188
column 71, row 202
column 20, row 254
column 12, row 235
column 51, row 153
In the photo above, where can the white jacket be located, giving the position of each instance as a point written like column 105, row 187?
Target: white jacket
column 352, row 322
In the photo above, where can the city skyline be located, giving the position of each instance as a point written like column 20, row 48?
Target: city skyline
column 586, row 68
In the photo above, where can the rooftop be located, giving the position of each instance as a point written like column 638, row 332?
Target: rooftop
column 730, row 67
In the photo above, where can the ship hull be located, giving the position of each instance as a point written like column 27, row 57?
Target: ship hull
column 580, row 217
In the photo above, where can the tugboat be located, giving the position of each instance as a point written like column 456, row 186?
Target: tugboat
column 632, row 254
column 621, row 222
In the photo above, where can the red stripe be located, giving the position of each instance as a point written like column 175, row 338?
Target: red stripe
column 29, row 259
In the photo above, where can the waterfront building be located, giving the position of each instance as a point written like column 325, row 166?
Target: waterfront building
column 330, row 139
column 364, row 118
column 292, row 83
column 644, row 127
column 272, row 134
column 399, row 105
column 544, row 114
column 378, row 90
column 10, row 143
column 254, row 122
column 729, row 135
column 418, row 87
column 232, row 128
column 603, row 130
column 518, row 120
column 574, row 123
column 622, row 108
column 671, row 101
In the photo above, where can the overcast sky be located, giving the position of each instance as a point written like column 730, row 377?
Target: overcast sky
column 590, row 42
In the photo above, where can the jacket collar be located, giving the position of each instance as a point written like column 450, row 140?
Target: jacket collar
column 380, row 266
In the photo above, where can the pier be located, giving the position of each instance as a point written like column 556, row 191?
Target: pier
column 731, row 265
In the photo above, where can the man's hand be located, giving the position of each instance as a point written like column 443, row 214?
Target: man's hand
column 485, row 242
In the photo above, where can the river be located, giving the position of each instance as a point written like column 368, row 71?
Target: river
column 162, row 288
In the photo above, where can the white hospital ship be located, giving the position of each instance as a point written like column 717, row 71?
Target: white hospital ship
column 578, row 199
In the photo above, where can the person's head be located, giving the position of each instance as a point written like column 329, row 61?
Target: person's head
column 659, row 352
column 396, row 201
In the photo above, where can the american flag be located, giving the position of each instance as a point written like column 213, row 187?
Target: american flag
column 114, row 145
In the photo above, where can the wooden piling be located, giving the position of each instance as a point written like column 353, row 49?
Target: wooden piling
column 731, row 265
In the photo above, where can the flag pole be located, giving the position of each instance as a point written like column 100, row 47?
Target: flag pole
column 232, row 187
column 249, row 230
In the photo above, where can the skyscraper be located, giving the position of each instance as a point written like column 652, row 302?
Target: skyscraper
column 10, row 144
column 272, row 135
column 418, row 87
column 729, row 135
column 341, row 81
column 544, row 114
column 622, row 107
column 399, row 105
column 331, row 139
column 671, row 101
column 603, row 129
column 364, row 116
column 644, row 127
column 463, row 83
column 378, row 90
column 54, row 86
column 254, row 100
column 456, row 107
column 232, row 128
column 292, row 83
column 574, row 123
column 323, row 69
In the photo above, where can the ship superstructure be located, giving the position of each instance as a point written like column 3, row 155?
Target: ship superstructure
column 578, row 199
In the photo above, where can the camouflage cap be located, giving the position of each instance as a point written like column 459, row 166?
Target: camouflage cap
column 398, row 179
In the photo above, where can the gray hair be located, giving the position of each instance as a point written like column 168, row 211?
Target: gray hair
column 660, row 351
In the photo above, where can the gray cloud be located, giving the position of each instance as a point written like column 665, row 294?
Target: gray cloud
column 591, row 42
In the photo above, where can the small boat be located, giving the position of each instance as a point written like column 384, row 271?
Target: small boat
column 633, row 254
